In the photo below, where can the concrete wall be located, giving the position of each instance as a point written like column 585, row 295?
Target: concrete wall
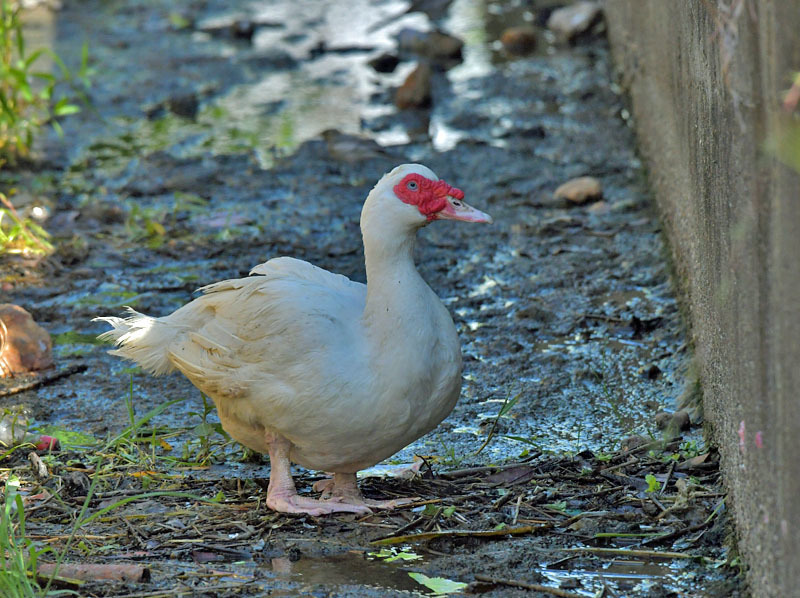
column 706, row 81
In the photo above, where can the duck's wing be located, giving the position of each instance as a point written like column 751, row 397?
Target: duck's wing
column 272, row 328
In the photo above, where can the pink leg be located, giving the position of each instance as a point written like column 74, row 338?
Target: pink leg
column 282, row 495
column 345, row 489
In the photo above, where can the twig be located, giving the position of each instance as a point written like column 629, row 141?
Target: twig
column 666, row 480
column 411, row 524
column 44, row 380
column 502, row 500
column 516, row 510
column 170, row 593
column 95, row 572
column 646, row 554
column 604, row 317
column 455, row 474
column 527, row 586
column 462, row 533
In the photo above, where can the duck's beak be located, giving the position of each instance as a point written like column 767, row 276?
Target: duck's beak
column 456, row 209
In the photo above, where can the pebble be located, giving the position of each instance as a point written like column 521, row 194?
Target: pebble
column 24, row 345
column 519, row 40
column 352, row 148
column 572, row 20
column 600, row 207
column 434, row 45
column 673, row 421
column 415, row 92
column 580, row 190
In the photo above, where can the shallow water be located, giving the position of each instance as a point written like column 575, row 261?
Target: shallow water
column 568, row 308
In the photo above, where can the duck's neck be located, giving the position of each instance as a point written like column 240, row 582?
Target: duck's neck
column 394, row 287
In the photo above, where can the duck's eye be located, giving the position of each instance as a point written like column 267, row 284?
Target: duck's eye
column 456, row 203
column 412, row 185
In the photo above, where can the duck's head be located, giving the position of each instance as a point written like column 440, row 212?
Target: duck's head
column 411, row 196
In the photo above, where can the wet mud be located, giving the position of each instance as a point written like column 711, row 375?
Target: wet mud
column 223, row 135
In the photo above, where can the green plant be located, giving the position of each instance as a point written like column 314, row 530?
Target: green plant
column 28, row 98
column 507, row 406
column 653, row 485
column 20, row 235
column 18, row 567
column 203, row 433
column 449, row 457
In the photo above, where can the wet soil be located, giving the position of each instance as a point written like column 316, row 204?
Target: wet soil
column 208, row 149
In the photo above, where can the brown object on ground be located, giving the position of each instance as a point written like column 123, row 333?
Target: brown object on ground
column 24, row 345
column 580, row 190
column 96, row 572
column 519, row 40
column 415, row 92
column 570, row 21
column 435, row 45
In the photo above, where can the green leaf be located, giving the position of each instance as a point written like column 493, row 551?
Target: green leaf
column 439, row 585
column 508, row 405
column 68, row 438
column 66, row 109
column 204, row 429
column 33, row 58
column 391, row 554
column 653, row 484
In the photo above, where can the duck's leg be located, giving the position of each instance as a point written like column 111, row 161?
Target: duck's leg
column 345, row 490
column 282, row 495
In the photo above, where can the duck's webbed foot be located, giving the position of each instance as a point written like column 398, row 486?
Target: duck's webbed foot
column 282, row 495
column 343, row 488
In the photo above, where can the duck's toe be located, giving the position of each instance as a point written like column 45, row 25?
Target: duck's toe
column 310, row 506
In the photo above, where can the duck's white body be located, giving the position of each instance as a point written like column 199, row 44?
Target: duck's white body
column 337, row 374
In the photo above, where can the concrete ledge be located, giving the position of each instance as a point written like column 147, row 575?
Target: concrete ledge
column 706, row 82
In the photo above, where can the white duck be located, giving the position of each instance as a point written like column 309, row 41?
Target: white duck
column 311, row 367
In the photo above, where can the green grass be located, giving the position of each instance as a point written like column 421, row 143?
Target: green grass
column 127, row 453
column 18, row 568
column 29, row 98
column 21, row 235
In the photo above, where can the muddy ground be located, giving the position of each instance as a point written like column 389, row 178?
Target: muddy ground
column 203, row 154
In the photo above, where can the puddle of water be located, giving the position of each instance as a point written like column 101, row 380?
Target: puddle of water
column 347, row 569
column 626, row 575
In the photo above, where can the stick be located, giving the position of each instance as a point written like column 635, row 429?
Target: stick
column 646, row 554
column 94, row 572
column 462, row 533
column 44, row 380
column 527, row 586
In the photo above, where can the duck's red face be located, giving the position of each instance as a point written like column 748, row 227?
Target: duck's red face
column 436, row 199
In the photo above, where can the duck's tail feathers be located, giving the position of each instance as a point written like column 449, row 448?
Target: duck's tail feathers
column 142, row 339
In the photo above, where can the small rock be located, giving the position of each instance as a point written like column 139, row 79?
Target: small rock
column 24, row 345
column 634, row 441
column 385, row 63
column 651, row 372
column 570, row 21
column 535, row 312
column 663, row 419
column 104, row 212
column 185, row 105
column 580, row 190
column 519, row 40
column 682, row 420
column 415, row 92
column 439, row 48
column 599, row 208
column 352, row 148
column 674, row 422
column 243, row 29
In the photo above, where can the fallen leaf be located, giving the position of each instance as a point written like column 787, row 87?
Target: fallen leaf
column 439, row 585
